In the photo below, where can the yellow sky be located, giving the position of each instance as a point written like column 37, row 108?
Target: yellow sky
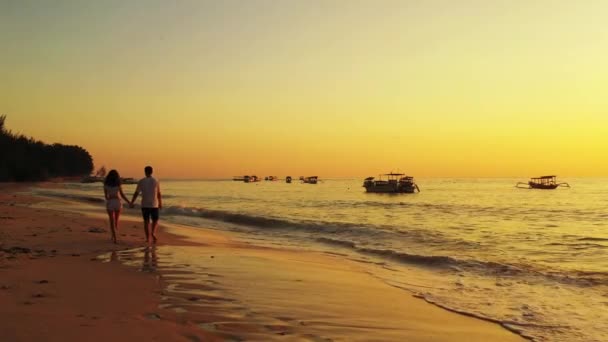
column 333, row 88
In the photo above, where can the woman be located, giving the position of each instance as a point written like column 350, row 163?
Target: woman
column 113, row 192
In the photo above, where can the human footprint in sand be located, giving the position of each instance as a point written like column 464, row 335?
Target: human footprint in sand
column 112, row 191
column 151, row 202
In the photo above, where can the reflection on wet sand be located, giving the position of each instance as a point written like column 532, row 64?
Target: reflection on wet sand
column 114, row 257
column 150, row 259
column 191, row 289
column 259, row 294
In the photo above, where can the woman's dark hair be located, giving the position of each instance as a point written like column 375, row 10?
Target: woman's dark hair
column 112, row 179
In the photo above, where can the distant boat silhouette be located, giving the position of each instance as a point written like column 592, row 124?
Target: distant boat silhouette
column 251, row 179
column 128, row 180
column 310, row 180
column 542, row 182
column 396, row 183
column 246, row 179
column 92, row 179
column 96, row 179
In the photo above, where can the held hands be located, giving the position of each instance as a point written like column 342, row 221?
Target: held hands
column 131, row 205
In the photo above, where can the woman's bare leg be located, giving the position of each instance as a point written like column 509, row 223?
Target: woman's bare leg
column 112, row 221
column 116, row 217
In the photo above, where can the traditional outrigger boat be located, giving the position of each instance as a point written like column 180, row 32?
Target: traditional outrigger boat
column 271, row 178
column 395, row 183
column 246, row 179
column 92, row 179
column 310, row 180
column 96, row 179
column 250, row 179
column 129, row 180
column 542, row 182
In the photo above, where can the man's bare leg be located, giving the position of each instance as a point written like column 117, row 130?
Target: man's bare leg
column 146, row 230
column 154, row 225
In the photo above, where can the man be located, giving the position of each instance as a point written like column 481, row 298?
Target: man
column 151, row 202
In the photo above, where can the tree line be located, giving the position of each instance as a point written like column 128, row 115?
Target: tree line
column 24, row 158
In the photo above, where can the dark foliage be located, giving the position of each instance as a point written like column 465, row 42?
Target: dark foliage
column 26, row 159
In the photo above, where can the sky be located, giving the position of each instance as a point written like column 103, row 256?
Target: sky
column 207, row 89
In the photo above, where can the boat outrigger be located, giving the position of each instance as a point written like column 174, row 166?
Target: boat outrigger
column 395, row 183
column 542, row 182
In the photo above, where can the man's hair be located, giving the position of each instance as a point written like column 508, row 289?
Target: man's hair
column 148, row 170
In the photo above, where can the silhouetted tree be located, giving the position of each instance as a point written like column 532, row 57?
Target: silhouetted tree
column 26, row 159
column 101, row 172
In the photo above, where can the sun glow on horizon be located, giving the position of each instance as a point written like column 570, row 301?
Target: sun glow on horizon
column 216, row 89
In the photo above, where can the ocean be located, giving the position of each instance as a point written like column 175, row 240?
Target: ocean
column 534, row 261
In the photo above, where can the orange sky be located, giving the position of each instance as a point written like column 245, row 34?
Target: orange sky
column 353, row 88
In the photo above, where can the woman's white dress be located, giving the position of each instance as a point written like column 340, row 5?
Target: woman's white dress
column 113, row 197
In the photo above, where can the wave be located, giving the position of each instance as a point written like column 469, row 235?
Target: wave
column 230, row 217
column 337, row 242
column 80, row 197
column 344, row 234
column 583, row 245
column 588, row 238
column 273, row 223
column 83, row 198
column 319, row 227
column 486, row 268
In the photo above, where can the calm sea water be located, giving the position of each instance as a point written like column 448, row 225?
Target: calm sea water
column 534, row 261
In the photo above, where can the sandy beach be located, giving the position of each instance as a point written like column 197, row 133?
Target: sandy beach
column 63, row 280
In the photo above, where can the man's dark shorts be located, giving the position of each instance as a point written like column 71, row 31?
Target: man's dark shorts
column 150, row 212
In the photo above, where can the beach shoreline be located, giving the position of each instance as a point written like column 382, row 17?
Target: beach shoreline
column 53, row 288
column 63, row 279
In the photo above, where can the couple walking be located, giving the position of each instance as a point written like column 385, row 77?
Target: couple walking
column 151, row 201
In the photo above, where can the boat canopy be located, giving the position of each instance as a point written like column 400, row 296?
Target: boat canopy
column 544, row 177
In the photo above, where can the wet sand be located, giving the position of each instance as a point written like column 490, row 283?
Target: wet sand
column 53, row 288
column 63, row 280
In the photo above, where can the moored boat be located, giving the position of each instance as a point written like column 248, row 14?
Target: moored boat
column 92, row 179
column 543, row 183
column 251, row 179
column 97, row 179
column 310, row 180
column 395, row 183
